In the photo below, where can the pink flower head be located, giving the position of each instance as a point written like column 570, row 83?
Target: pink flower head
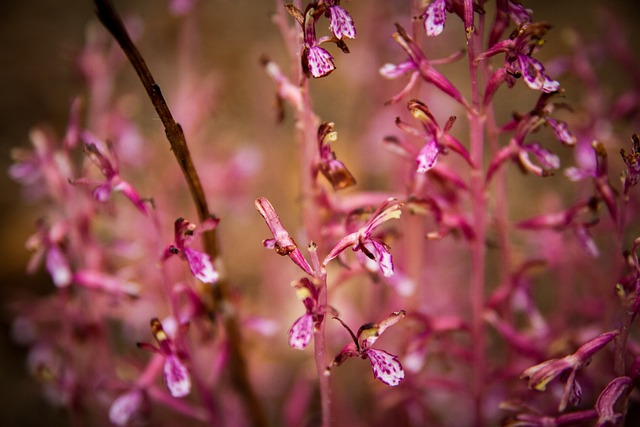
column 302, row 330
column 126, row 407
column 386, row 366
column 176, row 374
column 362, row 240
column 341, row 23
column 281, row 241
column 109, row 169
column 518, row 60
column 48, row 244
column 199, row 262
column 419, row 66
column 434, row 17
column 542, row 374
column 333, row 169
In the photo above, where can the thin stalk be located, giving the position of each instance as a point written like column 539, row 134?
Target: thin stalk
column 478, row 200
column 173, row 131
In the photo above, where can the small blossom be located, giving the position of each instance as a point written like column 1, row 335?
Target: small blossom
column 303, row 328
column 109, row 168
column 281, row 241
column 518, row 60
column 435, row 17
column 48, row 244
column 200, row 263
column 419, row 66
column 363, row 241
column 341, row 23
column 176, row 374
column 540, row 375
column 126, row 407
column 386, row 366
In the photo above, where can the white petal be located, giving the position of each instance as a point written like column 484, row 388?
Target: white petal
column 386, row 367
column 177, row 377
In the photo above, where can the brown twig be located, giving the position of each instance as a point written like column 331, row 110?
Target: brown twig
column 237, row 362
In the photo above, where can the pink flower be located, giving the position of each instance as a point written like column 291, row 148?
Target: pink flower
column 303, row 328
column 386, row 366
column 176, row 374
column 109, row 168
column 199, row 262
column 281, row 241
column 542, row 374
column 126, row 407
column 341, row 23
column 435, row 17
column 363, row 241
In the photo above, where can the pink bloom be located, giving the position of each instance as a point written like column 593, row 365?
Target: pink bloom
column 176, row 374
column 303, row 328
column 542, row 374
column 126, row 407
column 199, row 262
column 281, row 241
column 341, row 23
column 363, row 241
column 435, row 17
column 386, row 366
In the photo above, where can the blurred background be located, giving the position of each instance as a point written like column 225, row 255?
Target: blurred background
column 39, row 78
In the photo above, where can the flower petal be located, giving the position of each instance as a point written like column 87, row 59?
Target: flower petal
column 341, row 23
column 177, row 377
column 301, row 332
column 435, row 17
column 383, row 258
column 427, row 157
column 320, row 62
column 201, row 265
column 534, row 76
column 386, row 367
column 125, row 407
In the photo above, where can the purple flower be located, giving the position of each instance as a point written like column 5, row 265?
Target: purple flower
column 341, row 23
column 176, row 375
column 281, row 241
column 126, row 407
column 199, row 262
column 48, row 244
column 363, row 241
column 386, row 366
column 540, row 375
column 303, row 328
column 435, row 17
column 518, row 60
column 419, row 66
column 109, row 169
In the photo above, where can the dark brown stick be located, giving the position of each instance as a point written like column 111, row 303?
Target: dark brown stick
column 237, row 362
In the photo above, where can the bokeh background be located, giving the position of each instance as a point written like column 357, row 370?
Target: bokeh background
column 38, row 78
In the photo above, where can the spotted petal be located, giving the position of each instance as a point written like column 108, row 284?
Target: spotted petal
column 125, row 407
column 341, row 23
column 320, row 62
column 176, row 376
column 201, row 265
column 428, row 156
column 386, row 367
column 534, row 76
column 435, row 17
column 301, row 332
